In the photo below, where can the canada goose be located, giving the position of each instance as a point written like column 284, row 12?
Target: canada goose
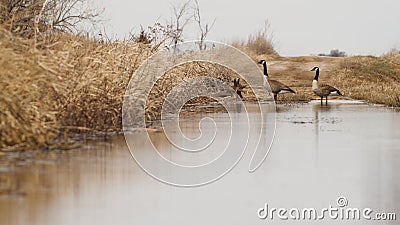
column 322, row 90
column 276, row 86
column 238, row 87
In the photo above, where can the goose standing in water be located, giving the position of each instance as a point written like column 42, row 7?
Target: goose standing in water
column 323, row 90
column 276, row 86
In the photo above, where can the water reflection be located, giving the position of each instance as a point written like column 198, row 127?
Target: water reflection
column 31, row 182
column 319, row 154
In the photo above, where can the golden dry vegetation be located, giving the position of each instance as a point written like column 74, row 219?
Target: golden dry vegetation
column 183, row 73
column 72, row 84
column 374, row 79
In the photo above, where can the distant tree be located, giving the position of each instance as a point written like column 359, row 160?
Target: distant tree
column 337, row 53
column 334, row 53
column 179, row 20
column 204, row 29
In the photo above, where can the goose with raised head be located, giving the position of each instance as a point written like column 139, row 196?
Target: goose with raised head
column 276, row 86
column 322, row 90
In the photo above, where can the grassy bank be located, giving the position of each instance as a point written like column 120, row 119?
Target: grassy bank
column 374, row 79
column 72, row 84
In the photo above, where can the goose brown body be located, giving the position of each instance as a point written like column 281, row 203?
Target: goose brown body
column 323, row 90
column 277, row 87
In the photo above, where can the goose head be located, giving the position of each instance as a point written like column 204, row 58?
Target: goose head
column 315, row 68
column 262, row 62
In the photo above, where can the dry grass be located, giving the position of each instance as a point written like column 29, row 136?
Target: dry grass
column 50, row 88
column 257, row 44
column 74, row 84
column 374, row 79
column 183, row 73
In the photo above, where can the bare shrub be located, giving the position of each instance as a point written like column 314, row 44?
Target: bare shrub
column 171, row 32
column 204, row 29
column 30, row 17
column 178, row 21
column 156, row 35
column 259, row 43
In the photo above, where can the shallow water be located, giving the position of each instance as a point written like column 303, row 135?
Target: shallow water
column 319, row 154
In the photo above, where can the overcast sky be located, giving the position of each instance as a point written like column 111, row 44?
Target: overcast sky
column 300, row 27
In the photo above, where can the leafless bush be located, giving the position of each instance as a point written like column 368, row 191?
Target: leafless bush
column 204, row 29
column 179, row 20
column 171, row 32
column 157, row 35
column 30, row 17
column 259, row 43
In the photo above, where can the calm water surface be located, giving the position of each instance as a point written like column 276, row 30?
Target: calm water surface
column 319, row 154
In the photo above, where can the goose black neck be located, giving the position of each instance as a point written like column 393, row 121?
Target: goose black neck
column 316, row 74
column 265, row 69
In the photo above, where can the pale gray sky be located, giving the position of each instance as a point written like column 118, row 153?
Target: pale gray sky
column 300, row 27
